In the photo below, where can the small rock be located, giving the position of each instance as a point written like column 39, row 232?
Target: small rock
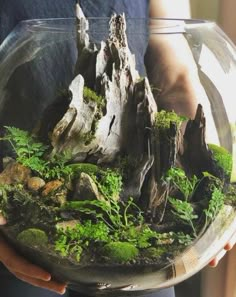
column 15, row 173
column 86, row 189
column 51, row 186
column 35, row 183
column 60, row 197
column 67, row 224
column 6, row 161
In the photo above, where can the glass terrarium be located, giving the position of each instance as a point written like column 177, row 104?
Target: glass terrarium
column 118, row 149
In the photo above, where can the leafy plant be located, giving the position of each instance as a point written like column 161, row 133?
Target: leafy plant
column 184, row 211
column 28, row 151
column 139, row 235
column 109, row 183
column 215, row 205
column 173, row 237
column 108, row 211
column 31, row 153
column 122, row 222
column 75, row 240
column 57, row 167
column 178, row 178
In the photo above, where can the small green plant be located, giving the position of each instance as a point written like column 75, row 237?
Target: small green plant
column 184, row 211
column 125, row 223
column 28, row 151
column 74, row 240
column 57, row 167
column 182, row 238
column 139, row 235
column 31, row 153
column 89, row 94
column 109, row 211
column 174, row 237
column 178, row 178
column 215, row 205
column 109, row 183
column 164, row 118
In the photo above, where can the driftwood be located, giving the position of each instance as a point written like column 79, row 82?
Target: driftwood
column 117, row 82
column 197, row 157
column 122, row 123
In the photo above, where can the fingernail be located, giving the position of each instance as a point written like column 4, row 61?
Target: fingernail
column 62, row 291
column 228, row 247
column 47, row 277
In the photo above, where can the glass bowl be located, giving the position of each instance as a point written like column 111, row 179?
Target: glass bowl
column 154, row 140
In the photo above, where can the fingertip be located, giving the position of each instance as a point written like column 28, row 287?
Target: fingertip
column 47, row 277
column 63, row 291
column 213, row 263
column 228, row 247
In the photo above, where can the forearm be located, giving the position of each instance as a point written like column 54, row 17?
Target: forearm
column 227, row 18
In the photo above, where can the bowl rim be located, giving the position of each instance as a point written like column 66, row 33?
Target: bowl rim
column 136, row 25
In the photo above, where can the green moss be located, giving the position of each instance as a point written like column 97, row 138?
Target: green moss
column 33, row 237
column 154, row 253
column 90, row 169
column 222, row 157
column 120, row 252
column 89, row 94
column 164, row 118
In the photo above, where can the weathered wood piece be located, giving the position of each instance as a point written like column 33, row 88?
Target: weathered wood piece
column 123, row 93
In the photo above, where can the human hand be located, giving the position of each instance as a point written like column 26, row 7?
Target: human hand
column 24, row 270
column 214, row 262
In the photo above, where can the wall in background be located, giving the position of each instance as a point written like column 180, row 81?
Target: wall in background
column 205, row 9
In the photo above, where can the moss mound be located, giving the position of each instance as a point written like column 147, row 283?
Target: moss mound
column 33, row 237
column 222, row 157
column 120, row 252
column 164, row 118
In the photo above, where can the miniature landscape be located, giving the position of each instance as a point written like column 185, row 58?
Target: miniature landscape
column 106, row 177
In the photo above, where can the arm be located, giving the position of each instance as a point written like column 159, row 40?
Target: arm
column 174, row 73
column 227, row 18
